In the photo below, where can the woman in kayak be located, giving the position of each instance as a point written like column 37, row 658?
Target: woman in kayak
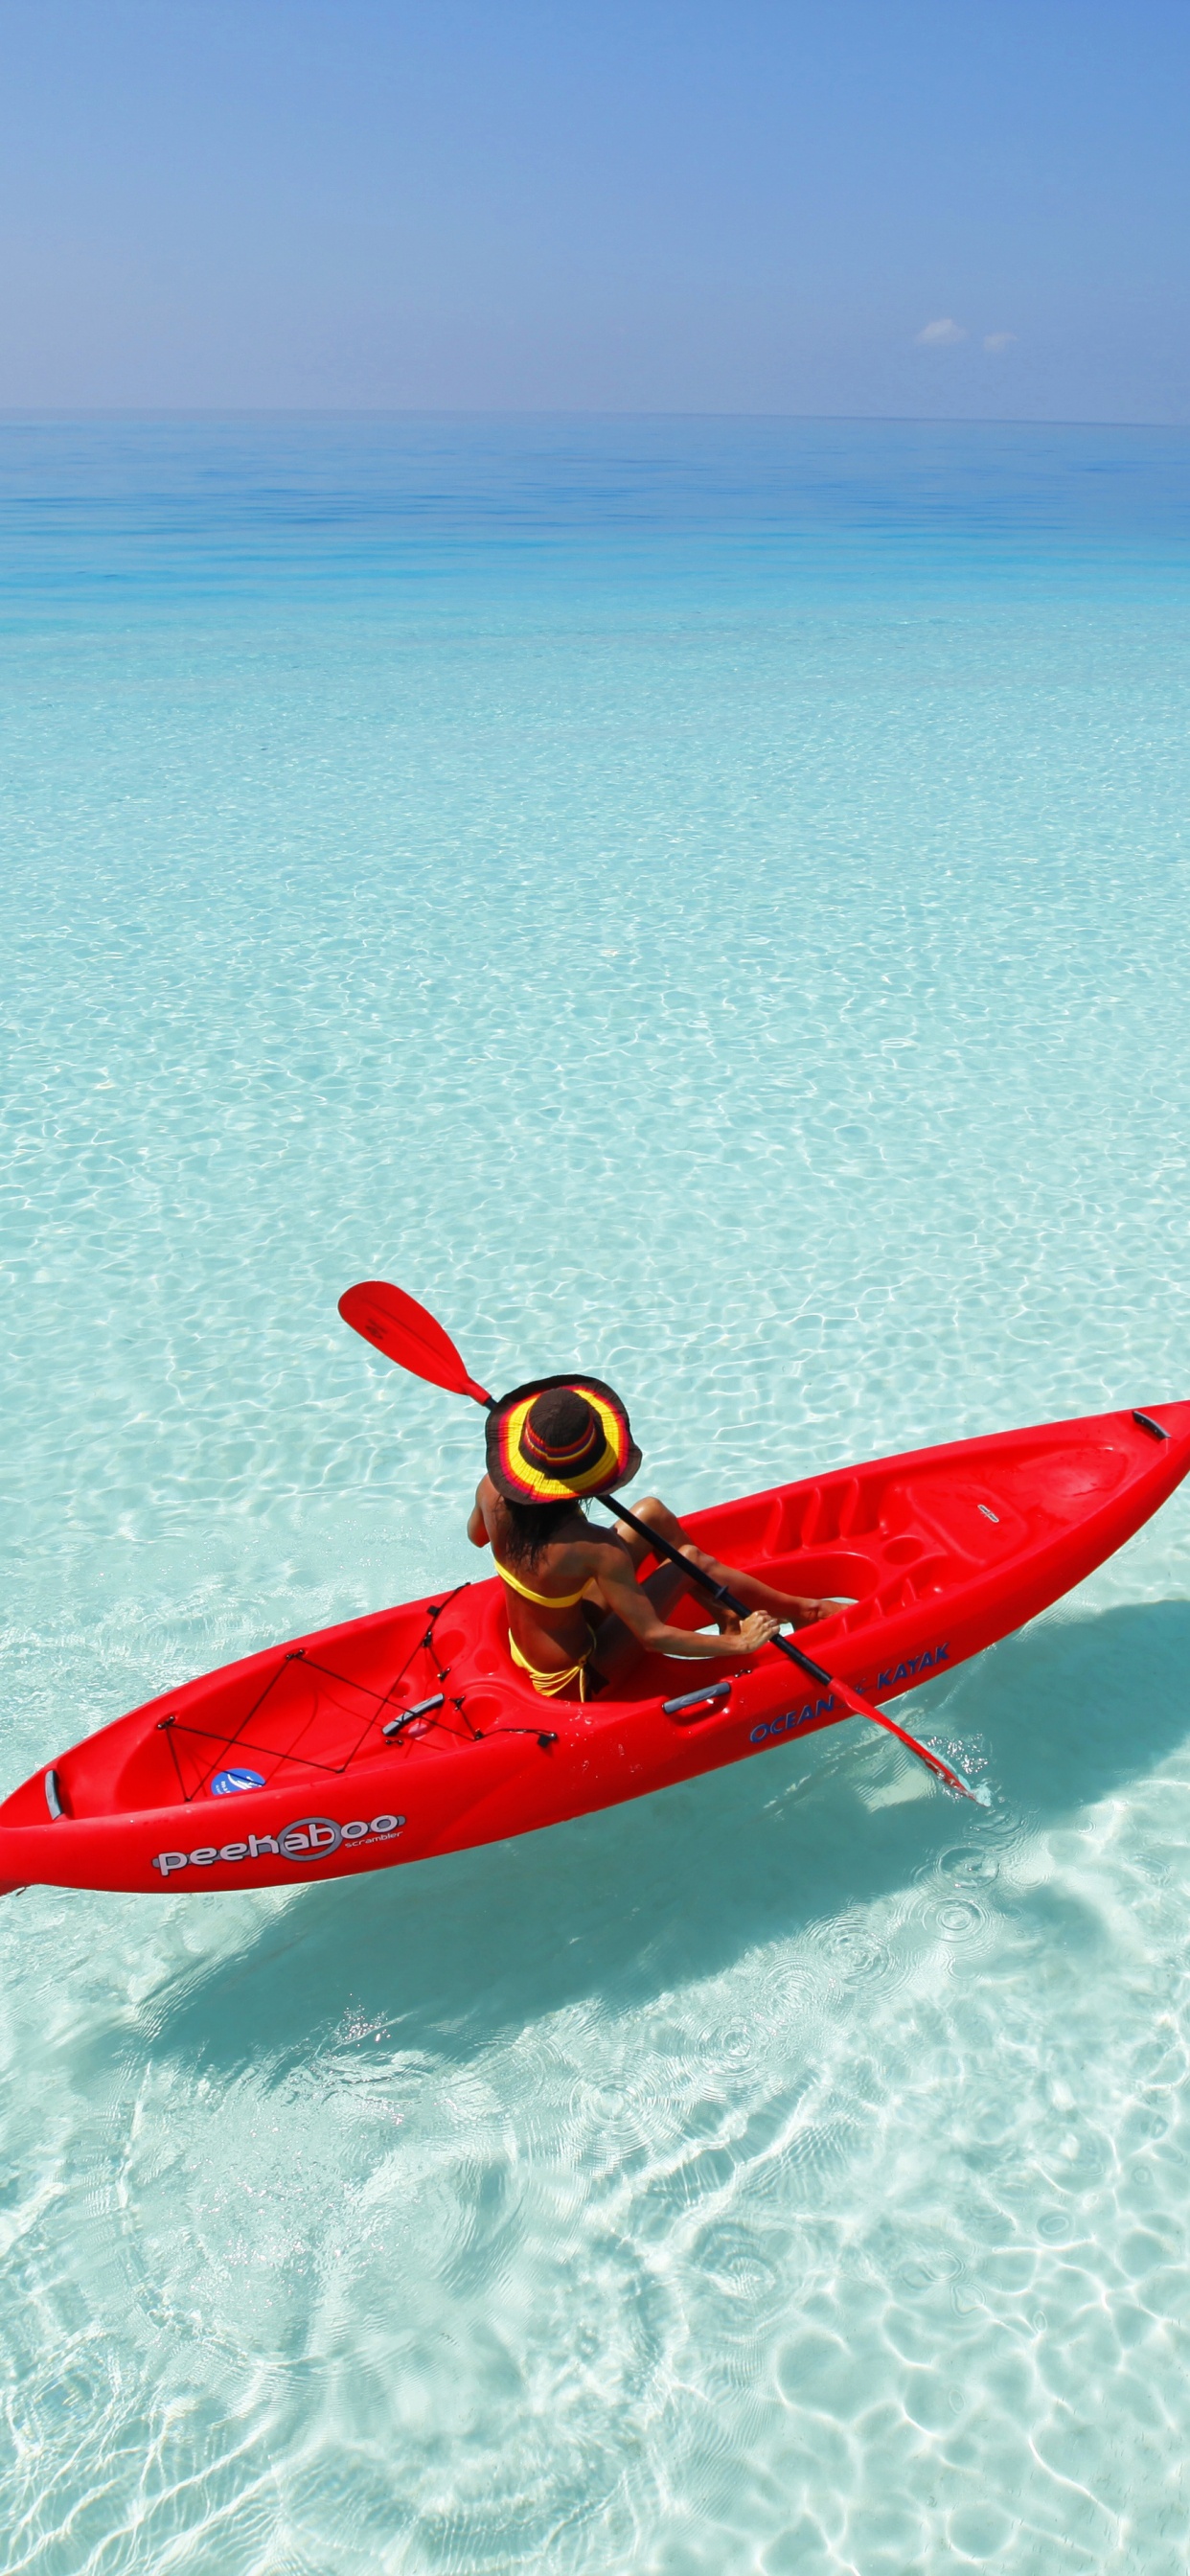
column 577, row 1616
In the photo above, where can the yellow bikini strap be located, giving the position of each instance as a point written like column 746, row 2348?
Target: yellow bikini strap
column 544, row 1600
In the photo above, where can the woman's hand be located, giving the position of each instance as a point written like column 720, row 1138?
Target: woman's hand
column 757, row 1630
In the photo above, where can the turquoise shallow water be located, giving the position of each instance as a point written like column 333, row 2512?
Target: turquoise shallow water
column 708, row 899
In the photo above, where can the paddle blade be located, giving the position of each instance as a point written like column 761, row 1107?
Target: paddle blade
column 398, row 1326
column 933, row 1761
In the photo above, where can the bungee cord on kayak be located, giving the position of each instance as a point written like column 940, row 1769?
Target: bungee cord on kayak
column 290, row 1753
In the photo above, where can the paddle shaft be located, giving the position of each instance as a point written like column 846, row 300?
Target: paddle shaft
column 852, row 1699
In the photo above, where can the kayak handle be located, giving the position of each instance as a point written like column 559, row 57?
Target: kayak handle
column 1147, row 1424
column 421, row 1708
column 52, row 1799
column 704, row 1698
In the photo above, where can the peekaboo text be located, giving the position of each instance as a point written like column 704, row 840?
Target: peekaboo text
column 310, row 1838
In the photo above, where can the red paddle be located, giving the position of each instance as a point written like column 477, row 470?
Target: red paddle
column 403, row 1330
column 395, row 1324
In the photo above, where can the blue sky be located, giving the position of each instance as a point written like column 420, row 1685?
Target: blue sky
column 754, row 207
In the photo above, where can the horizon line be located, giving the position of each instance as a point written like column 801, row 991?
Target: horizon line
column 34, row 412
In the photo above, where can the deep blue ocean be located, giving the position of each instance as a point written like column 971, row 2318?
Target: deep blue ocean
column 705, row 899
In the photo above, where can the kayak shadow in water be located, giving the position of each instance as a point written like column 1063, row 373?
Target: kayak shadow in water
column 626, row 1905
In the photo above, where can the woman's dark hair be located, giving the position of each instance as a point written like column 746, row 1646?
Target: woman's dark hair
column 531, row 1526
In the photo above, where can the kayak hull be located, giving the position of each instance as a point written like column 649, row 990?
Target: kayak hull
column 276, row 1769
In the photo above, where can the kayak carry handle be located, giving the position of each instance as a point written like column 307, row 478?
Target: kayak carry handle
column 696, row 1699
column 421, row 1708
column 52, row 1798
column 1147, row 1424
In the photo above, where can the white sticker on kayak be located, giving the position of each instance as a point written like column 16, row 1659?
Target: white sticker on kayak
column 309, row 1838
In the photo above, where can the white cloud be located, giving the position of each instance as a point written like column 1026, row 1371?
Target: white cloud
column 999, row 341
column 941, row 335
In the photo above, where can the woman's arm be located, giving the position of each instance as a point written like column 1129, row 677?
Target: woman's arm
column 621, row 1592
column 792, row 1607
column 477, row 1528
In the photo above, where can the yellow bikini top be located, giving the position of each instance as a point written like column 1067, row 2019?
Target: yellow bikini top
column 544, row 1600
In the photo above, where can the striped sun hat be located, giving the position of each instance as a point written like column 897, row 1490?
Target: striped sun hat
column 560, row 1436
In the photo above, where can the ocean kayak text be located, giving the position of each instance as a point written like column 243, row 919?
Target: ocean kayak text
column 774, row 1727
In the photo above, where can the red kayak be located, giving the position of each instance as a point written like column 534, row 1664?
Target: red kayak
column 409, row 1733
